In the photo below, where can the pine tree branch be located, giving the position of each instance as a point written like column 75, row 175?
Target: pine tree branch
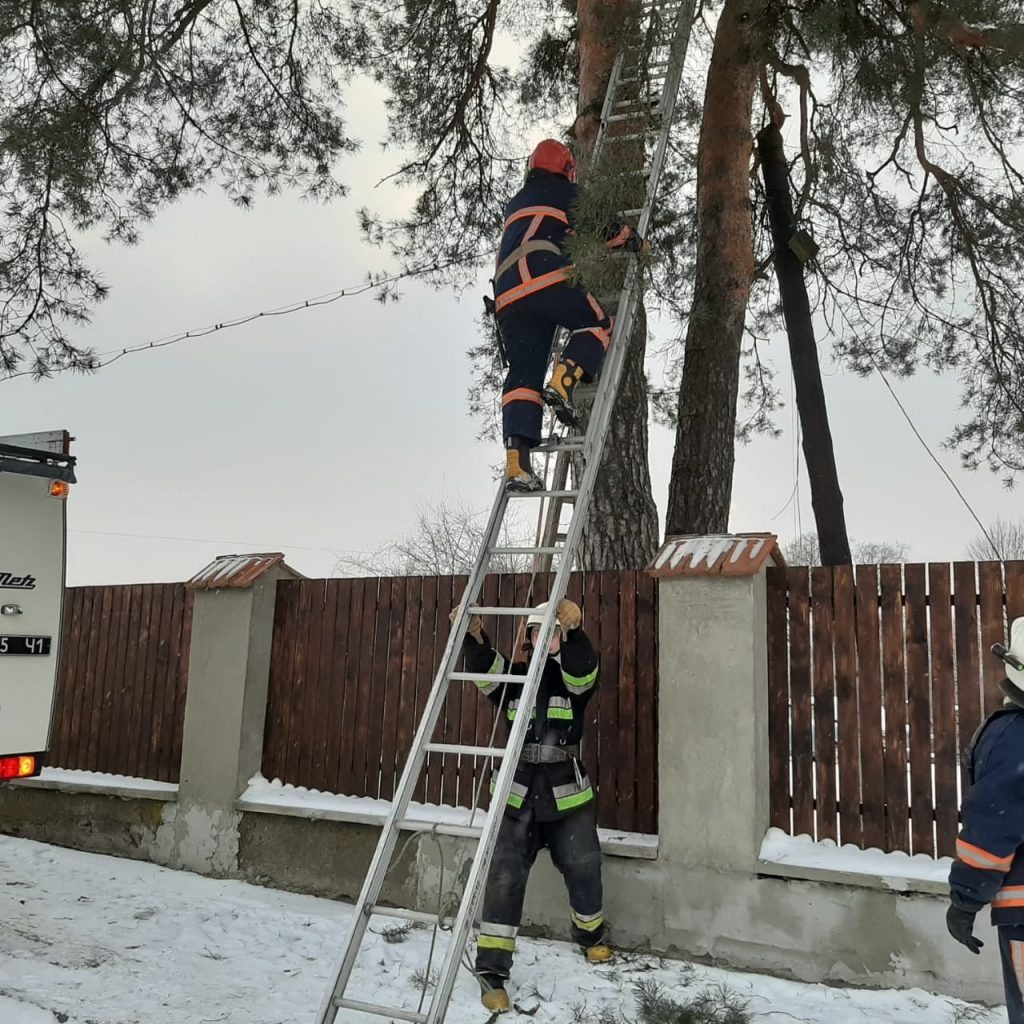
column 929, row 17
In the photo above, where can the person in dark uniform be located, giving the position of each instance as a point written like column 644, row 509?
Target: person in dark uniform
column 534, row 296
column 989, row 865
column 551, row 803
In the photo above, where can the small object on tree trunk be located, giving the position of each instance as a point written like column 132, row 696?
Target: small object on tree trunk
column 805, row 247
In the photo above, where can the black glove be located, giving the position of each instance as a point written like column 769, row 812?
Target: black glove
column 961, row 926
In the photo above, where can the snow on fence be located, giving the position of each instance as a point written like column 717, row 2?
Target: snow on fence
column 878, row 677
column 120, row 701
column 353, row 661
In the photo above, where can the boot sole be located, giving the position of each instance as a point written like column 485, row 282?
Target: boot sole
column 564, row 412
column 523, row 485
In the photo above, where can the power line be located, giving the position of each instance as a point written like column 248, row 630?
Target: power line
column 292, row 307
column 931, row 455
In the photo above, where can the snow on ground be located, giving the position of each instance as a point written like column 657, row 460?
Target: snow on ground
column 86, row 939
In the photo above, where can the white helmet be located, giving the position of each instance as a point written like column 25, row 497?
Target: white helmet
column 536, row 617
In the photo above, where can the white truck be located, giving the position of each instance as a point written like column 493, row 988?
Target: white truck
column 36, row 473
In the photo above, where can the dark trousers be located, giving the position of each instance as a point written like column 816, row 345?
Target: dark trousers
column 528, row 329
column 575, row 851
column 1011, row 949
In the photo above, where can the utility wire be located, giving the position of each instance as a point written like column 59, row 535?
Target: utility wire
column 292, row 307
column 931, row 455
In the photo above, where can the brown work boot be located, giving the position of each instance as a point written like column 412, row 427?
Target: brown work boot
column 558, row 392
column 494, row 997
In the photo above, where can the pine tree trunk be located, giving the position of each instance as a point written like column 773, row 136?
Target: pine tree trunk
column 826, row 496
column 700, row 489
column 622, row 529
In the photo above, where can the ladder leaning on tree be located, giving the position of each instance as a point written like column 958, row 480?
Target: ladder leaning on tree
column 637, row 113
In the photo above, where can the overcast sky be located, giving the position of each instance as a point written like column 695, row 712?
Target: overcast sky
column 324, row 432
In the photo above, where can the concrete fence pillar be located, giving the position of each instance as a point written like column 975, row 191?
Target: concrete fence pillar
column 225, row 705
column 713, row 724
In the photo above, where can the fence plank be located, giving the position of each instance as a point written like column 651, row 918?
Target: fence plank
column 453, row 705
column 608, row 734
column 143, row 600
column 969, row 696
column 778, row 699
column 425, row 668
column 823, row 689
column 326, row 693
column 391, row 689
column 626, row 693
column 800, row 696
column 406, row 682
column 360, row 677
column 844, row 630
column 340, row 719
column 870, row 685
column 920, row 712
column 993, row 631
column 897, row 804
column 300, row 687
column 943, row 709
column 1014, row 592
column 647, row 710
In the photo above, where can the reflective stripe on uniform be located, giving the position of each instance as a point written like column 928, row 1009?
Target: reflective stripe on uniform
column 522, row 395
column 533, row 211
column 516, row 795
column 588, row 922
column 560, row 707
column 976, row 857
column 1009, row 896
column 513, row 709
column 489, row 687
column 572, row 795
column 506, row 931
column 580, row 683
column 494, row 942
column 535, row 284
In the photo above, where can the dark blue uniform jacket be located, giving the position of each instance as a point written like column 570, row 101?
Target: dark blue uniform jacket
column 989, row 868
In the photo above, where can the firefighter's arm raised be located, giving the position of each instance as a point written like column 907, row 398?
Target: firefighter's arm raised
column 578, row 658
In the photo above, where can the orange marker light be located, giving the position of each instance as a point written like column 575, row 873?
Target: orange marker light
column 60, row 488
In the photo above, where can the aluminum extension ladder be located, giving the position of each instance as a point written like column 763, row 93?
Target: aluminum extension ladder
column 654, row 65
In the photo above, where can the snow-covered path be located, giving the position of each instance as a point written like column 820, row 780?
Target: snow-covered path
column 86, row 939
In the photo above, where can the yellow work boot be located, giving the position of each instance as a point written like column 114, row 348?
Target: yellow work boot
column 518, row 474
column 494, row 996
column 599, row 954
column 558, row 391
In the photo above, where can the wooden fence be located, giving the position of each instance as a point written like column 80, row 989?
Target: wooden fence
column 878, row 678
column 120, row 702
column 353, row 661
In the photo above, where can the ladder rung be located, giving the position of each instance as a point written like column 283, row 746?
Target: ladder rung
column 560, row 446
column 442, row 828
column 637, row 115
column 491, row 677
column 524, row 551
column 631, row 213
column 484, row 609
column 419, row 916
column 458, row 748
column 380, row 1011
column 628, row 138
column 543, row 494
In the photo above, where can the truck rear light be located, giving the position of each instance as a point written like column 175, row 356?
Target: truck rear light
column 60, row 488
column 18, row 767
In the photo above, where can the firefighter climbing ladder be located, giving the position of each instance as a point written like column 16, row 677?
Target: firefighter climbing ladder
column 637, row 112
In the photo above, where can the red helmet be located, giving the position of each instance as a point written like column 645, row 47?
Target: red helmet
column 551, row 155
